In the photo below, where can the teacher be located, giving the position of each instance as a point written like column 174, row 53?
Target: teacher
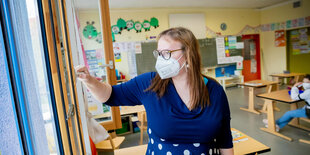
column 187, row 112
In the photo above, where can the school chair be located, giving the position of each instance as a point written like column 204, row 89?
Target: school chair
column 111, row 144
column 142, row 124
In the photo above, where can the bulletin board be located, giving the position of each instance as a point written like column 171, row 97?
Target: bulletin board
column 298, row 50
column 146, row 60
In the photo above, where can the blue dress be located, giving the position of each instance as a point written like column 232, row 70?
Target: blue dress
column 172, row 127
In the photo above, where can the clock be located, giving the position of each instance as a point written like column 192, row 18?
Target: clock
column 223, row 26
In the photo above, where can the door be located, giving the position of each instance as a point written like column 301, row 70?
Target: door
column 251, row 63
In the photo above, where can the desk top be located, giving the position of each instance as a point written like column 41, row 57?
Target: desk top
column 280, row 95
column 244, row 147
column 258, row 83
column 286, row 75
column 249, row 146
column 125, row 110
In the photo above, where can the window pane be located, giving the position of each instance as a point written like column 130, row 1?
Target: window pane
column 92, row 51
column 8, row 130
column 29, row 48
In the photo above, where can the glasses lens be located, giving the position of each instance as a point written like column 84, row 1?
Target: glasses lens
column 155, row 53
column 166, row 54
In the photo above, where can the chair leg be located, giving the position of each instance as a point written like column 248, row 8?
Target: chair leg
column 141, row 136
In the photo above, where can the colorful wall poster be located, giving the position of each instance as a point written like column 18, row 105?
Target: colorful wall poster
column 280, row 38
column 301, row 22
column 232, row 40
column 288, row 24
column 307, row 21
column 294, row 23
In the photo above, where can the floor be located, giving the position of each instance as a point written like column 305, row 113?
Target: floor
column 250, row 123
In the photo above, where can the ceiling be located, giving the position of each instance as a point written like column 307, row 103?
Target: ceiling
column 119, row 4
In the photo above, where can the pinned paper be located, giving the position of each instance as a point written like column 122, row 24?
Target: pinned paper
column 240, row 45
column 138, row 48
column 239, row 65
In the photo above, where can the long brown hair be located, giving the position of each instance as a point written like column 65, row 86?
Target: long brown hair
column 199, row 95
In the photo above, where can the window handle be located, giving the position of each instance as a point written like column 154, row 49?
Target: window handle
column 107, row 65
column 70, row 112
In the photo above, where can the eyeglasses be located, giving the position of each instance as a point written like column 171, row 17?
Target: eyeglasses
column 166, row 54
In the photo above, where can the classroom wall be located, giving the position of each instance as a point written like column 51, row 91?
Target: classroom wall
column 236, row 20
column 274, row 58
column 214, row 17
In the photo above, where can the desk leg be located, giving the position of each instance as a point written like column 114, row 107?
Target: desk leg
column 295, row 122
column 271, row 122
column 304, row 141
column 269, row 89
column 251, row 102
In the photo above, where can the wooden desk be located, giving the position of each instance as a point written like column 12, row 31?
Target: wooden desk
column 249, row 146
column 284, row 97
column 224, row 81
column 125, row 110
column 252, row 85
column 278, row 77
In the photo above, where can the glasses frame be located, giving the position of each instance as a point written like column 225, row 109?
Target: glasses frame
column 157, row 53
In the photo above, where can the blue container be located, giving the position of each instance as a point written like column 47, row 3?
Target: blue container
column 300, row 91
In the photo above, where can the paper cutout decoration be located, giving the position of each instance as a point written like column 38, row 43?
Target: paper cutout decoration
column 146, row 25
column 138, row 26
column 99, row 38
column 89, row 31
column 154, row 22
column 121, row 24
column 115, row 29
column 129, row 25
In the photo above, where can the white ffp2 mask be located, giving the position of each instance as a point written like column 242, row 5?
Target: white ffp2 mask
column 168, row 68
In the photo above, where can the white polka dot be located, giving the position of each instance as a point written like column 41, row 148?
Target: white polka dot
column 218, row 151
column 175, row 144
column 150, row 131
column 203, row 154
column 149, row 151
column 160, row 146
column 152, row 141
column 162, row 139
column 196, row 144
column 152, row 152
column 214, row 150
column 210, row 151
column 169, row 153
column 186, row 152
column 214, row 140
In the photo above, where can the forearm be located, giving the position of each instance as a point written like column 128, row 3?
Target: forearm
column 229, row 151
column 101, row 91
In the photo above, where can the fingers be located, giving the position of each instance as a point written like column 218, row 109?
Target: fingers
column 82, row 73
column 81, row 69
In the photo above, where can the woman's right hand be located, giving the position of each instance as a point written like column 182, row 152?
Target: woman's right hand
column 82, row 74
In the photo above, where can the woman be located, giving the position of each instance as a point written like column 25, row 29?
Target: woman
column 187, row 113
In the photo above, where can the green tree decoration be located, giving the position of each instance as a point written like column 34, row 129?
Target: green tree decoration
column 154, row 22
column 121, row 23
